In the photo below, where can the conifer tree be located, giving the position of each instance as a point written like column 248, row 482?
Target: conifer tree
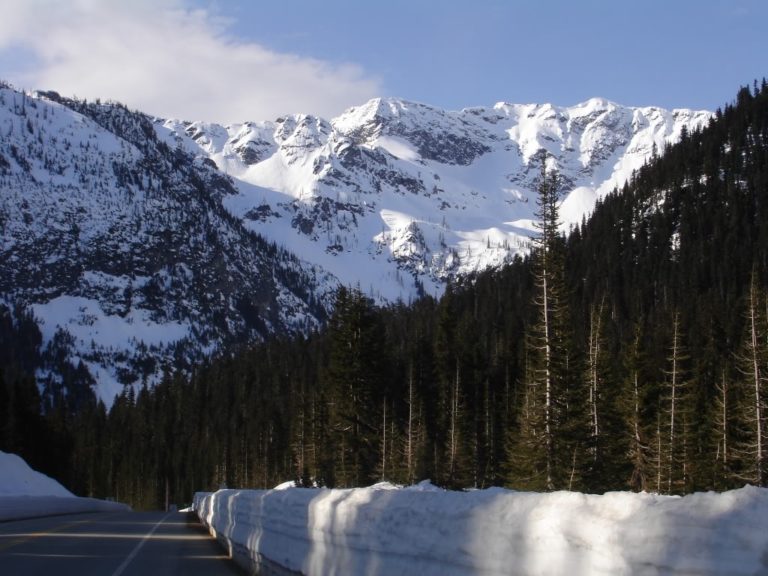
column 355, row 378
column 411, row 428
column 751, row 396
column 724, row 424
column 594, row 376
column 639, row 450
column 540, row 458
column 606, row 444
column 451, row 465
column 674, row 417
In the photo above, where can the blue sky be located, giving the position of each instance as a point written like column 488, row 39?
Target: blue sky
column 230, row 60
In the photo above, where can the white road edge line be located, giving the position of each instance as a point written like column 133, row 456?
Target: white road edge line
column 132, row 555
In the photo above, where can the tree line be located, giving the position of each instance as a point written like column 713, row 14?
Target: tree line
column 631, row 354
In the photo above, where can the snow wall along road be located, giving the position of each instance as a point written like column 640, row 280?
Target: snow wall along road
column 426, row 531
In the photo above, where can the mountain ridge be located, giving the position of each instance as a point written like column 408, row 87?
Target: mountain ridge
column 141, row 243
column 421, row 195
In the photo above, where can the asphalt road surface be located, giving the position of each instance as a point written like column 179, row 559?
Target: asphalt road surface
column 111, row 544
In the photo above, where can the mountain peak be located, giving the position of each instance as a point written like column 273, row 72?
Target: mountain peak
column 372, row 117
column 596, row 103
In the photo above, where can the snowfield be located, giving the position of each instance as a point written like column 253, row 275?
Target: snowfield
column 427, row 531
column 25, row 493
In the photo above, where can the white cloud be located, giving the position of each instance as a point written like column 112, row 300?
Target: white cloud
column 164, row 58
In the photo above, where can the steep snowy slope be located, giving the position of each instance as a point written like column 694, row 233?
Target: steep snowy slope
column 123, row 249
column 399, row 197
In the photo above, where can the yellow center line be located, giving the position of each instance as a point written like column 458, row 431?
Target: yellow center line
column 106, row 536
column 40, row 534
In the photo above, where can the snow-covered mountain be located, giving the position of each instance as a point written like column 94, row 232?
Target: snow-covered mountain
column 398, row 197
column 122, row 248
column 139, row 243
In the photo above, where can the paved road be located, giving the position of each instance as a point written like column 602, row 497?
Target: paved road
column 111, row 544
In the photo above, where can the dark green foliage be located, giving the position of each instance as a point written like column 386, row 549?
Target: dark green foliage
column 546, row 451
column 356, row 385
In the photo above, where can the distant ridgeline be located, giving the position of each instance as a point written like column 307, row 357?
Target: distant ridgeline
column 631, row 355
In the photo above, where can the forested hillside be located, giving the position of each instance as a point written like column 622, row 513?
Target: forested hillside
column 631, row 355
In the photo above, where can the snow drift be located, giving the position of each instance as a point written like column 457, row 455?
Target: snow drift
column 18, row 479
column 26, row 493
column 384, row 530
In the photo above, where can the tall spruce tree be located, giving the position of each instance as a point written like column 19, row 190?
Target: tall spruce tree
column 633, row 407
column 355, row 382
column 451, row 465
column 541, row 455
column 750, row 398
column 675, row 416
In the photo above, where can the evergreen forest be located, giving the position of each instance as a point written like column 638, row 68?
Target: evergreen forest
column 629, row 354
